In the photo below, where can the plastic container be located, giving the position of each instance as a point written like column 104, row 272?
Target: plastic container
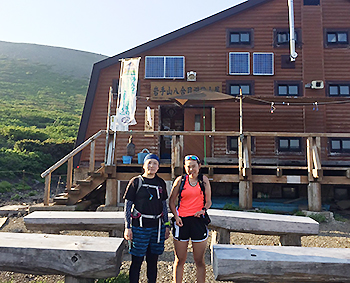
column 141, row 155
column 127, row 159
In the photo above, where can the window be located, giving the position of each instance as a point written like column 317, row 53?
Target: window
column 263, row 64
column 281, row 37
column 165, row 67
column 234, row 86
column 232, row 144
column 289, row 144
column 239, row 63
column 339, row 145
column 312, row 2
column 338, row 88
column 288, row 88
column 336, row 38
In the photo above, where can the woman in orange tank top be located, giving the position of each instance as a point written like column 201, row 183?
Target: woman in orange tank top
column 188, row 217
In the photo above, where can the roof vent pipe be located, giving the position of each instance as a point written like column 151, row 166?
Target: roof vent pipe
column 292, row 40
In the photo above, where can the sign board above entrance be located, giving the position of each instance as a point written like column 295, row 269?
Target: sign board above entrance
column 169, row 90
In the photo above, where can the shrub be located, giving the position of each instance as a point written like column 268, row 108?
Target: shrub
column 231, row 206
column 16, row 197
column 338, row 217
column 121, row 278
column 318, row 217
column 5, row 187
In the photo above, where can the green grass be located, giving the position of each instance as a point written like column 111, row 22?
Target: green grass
column 318, row 217
column 121, row 278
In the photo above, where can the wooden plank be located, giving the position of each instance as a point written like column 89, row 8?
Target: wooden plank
column 262, row 223
column 75, row 220
column 77, row 256
column 280, row 264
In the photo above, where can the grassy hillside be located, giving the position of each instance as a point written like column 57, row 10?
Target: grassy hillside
column 42, row 93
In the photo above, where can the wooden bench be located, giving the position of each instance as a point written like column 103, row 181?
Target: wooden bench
column 289, row 228
column 56, row 221
column 280, row 264
column 81, row 259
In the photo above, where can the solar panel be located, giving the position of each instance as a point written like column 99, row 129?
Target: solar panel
column 239, row 63
column 263, row 64
column 174, row 67
column 164, row 67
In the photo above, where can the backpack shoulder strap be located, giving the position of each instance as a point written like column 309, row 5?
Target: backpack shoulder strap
column 183, row 180
column 140, row 181
column 201, row 184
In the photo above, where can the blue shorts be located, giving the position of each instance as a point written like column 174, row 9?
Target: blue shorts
column 143, row 237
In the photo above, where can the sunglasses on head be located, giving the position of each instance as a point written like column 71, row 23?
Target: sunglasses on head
column 192, row 157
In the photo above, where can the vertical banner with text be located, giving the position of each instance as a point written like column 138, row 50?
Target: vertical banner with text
column 126, row 105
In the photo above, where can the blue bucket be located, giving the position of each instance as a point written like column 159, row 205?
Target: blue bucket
column 127, row 159
column 141, row 155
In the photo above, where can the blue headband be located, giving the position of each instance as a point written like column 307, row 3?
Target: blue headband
column 151, row 156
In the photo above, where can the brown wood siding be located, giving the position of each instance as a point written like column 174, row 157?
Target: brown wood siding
column 206, row 53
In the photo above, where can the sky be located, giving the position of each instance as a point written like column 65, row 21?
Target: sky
column 106, row 27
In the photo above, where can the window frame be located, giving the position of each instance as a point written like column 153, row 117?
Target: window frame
column 341, row 151
column 240, row 44
column 273, row 63
column 336, row 44
column 289, row 83
column 165, row 70
column 229, row 64
column 276, row 44
column 229, row 83
column 298, row 151
column 338, row 84
column 234, row 151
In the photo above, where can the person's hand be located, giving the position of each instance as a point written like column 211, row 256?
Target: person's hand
column 199, row 213
column 128, row 234
column 167, row 233
column 179, row 221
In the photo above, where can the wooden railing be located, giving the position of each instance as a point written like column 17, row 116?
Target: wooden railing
column 69, row 158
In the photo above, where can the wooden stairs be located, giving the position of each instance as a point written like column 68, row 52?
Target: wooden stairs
column 82, row 188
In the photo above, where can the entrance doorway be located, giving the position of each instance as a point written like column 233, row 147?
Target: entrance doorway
column 197, row 119
column 172, row 119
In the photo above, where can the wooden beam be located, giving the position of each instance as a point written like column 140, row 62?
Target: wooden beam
column 69, row 174
column 47, row 189
column 92, row 157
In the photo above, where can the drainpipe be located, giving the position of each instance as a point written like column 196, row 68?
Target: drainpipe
column 292, row 40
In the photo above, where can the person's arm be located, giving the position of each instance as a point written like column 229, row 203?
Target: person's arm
column 127, row 215
column 172, row 200
column 207, row 193
column 166, row 219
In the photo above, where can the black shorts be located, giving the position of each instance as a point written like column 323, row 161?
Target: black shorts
column 193, row 227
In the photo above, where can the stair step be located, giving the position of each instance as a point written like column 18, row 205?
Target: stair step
column 95, row 174
column 74, row 191
column 84, row 182
column 60, row 199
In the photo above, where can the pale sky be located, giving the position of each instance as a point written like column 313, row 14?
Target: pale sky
column 106, row 27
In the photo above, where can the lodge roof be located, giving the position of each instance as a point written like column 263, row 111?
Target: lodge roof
column 97, row 67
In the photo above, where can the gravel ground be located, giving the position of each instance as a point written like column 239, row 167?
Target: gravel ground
column 333, row 234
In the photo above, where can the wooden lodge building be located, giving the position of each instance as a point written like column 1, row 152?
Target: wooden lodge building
column 292, row 139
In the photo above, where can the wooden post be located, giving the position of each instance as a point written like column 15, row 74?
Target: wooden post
column 69, row 173
column 111, row 192
column 309, row 158
column 92, row 156
column 314, row 196
column 290, row 240
column 47, row 189
column 176, row 155
column 245, row 194
column 220, row 236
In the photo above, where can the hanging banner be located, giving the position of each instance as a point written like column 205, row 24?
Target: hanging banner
column 126, row 106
